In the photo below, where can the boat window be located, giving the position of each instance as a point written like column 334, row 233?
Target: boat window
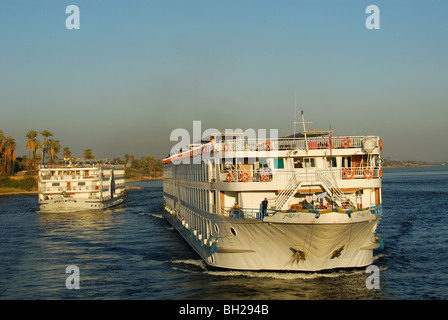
column 333, row 163
column 81, row 183
column 346, row 162
column 55, row 184
column 298, row 162
column 278, row 164
column 309, row 162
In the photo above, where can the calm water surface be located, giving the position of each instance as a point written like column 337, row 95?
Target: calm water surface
column 131, row 252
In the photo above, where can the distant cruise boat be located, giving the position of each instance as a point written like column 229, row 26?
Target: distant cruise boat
column 323, row 201
column 80, row 186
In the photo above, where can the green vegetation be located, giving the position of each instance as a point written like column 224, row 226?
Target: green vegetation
column 405, row 163
column 26, row 183
column 46, row 151
column 145, row 168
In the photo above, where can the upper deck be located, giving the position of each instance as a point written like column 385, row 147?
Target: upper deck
column 240, row 148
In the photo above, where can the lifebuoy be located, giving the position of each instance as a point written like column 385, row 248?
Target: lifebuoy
column 229, row 177
column 348, row 174
column 244, row 177
column 381, row 173
column 226, row 147
column 368, row 174
column 267, row 145
column 264, row 177
column 346, row 143
column 380, row 144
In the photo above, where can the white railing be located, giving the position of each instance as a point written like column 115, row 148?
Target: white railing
column 211, row 149
column 306, row 175
column 81, row 166
column 70, row 177
column 72, row 189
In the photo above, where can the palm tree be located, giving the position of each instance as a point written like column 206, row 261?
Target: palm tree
column 87, row 153
column 8, row 155
column 46, row 134
column 2, row 139
column 32, row 147
column 67, row 153
column 54, row 147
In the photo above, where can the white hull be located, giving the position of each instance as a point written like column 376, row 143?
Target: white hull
column 66, row 204
column 331, row 241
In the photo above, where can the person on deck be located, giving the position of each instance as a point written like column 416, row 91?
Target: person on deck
column 264, row 207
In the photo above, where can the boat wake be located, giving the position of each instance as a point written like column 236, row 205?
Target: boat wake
column 199, row 266
column 155, row 215
column 189, row 265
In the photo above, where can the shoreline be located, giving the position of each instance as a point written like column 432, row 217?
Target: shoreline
column 16, row 193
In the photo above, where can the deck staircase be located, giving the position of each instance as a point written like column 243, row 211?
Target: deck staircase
column 332, row 189
column 282, row 198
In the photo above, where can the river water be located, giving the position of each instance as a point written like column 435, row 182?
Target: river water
column 131, row 252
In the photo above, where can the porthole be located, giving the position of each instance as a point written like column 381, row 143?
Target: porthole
column 216, row 228
column 233, row 231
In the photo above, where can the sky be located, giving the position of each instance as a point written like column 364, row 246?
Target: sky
column 135, row 71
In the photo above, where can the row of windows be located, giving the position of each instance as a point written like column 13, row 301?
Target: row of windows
column 196, row 197
column 190, row 172
column 196, row 222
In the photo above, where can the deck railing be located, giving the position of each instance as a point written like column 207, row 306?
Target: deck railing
column 212, row 149
column 308, row 175
column 258, row 214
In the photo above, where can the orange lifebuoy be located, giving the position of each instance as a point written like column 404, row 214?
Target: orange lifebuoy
column 348, row 174
column 381, row 173
column 229, row 177
column 346, row 143
column 267, row 145
column 226, row 147
column 380, row 144
column 368, row 174
column 244, row 177
column 264, row 177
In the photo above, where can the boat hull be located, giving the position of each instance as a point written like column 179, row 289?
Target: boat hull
column 281, row 244
column 72, row 204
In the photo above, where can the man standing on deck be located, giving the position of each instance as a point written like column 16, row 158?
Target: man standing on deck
column 264, row 206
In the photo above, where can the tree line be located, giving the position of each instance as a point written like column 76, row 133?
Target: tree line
column 43, row 148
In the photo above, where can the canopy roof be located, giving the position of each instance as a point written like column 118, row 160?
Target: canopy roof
column 310, row 133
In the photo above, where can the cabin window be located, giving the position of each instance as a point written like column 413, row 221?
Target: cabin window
column 55, row 184
column 309, row 162
column 332, row 163
column 346, row 162
column 278, row 164
column 81, row 183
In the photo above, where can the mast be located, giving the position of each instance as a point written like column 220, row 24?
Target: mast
column 304, row 131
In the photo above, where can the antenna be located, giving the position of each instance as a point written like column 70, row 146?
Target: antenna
column 304, row 130
column 295, row 111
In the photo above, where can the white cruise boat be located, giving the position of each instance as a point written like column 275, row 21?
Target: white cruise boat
column 80, row 186
column 323, row 201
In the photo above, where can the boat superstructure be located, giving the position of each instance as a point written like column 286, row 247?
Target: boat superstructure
column 80, row 186
column 321, row 193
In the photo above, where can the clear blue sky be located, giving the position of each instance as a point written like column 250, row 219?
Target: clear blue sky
column 136, row 70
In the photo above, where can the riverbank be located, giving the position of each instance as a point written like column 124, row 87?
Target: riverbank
column 11, row 185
